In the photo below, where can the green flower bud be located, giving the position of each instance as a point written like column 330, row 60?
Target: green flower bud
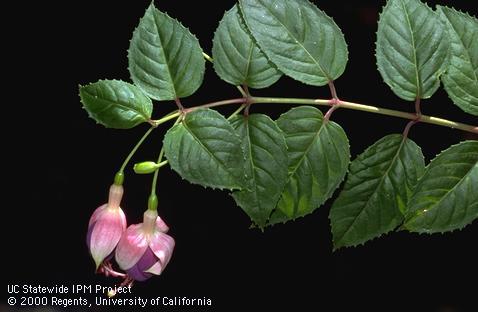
column 145, row 167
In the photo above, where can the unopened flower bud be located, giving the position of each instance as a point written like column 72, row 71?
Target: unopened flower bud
column 145, row 167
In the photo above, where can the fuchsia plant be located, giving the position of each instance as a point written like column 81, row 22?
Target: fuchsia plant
column 280, row 170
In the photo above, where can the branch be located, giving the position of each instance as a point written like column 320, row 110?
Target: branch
column 341, row 104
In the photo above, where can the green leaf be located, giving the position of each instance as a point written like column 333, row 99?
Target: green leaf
column 412, row 48
column 446, row 197
column 378, row 187
column 237, row 58
column 205, row 149
column 165, row 59
column 461, row 78
column 266, row 165
column 318, row 159
column 116, row 104
column 300, row 39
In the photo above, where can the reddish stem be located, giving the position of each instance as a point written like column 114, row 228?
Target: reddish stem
column 334, row 102
column 333, row 91
column 418, row 114
column 179, row 104
column 108, row 270
column 216, row 104
column 330, row 111
column 247, row 99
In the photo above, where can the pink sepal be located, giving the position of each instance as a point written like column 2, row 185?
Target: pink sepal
column 131, row 246
column 162, row 245
column 156, row 269
column 107, row 226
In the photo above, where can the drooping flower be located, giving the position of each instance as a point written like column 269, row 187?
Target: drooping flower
column 145, row 249
column 107, row 224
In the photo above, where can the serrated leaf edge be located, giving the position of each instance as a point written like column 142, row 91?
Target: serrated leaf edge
column 171, row 81
column 82, row 87
column 322, row 70
column 339, row 246
column 408, row 219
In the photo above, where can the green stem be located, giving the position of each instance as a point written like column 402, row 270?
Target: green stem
column 155, row 177
column 166, row 118
column 207, row 57
column 241, row 90
column 210, row 59
column 371, row 109
column 237, row 111
column 341, row 104
column 275, row 100
column 153, row 199
column 215, row 104
column 120, row 175
column 424, row 118
column 163, row 163
column 153, row 202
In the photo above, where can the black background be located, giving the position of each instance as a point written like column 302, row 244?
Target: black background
column 59, row 165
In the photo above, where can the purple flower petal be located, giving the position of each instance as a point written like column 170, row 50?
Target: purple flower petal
column 138, row 271
column 138, row 275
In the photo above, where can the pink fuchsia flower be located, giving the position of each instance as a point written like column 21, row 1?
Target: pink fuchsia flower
column 106, row 226
column 145, row 249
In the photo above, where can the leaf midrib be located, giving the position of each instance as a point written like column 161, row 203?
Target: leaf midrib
column 253, row 167
column 417, row 75
column 376, row 189
column 168, row 70
column 299, row 163
column 120, row 104
column 224, row 167
column 297, row 41
column 437, row 203
column 248, row 64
